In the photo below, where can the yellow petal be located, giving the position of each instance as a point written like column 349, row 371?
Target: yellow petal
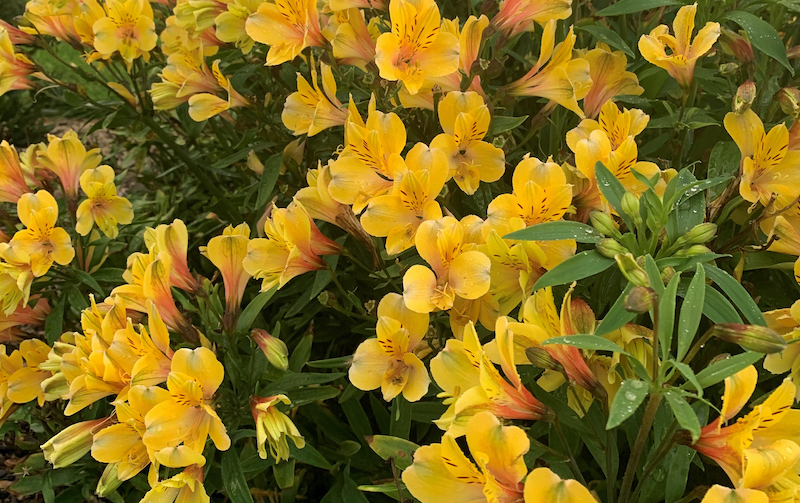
column 542, row 485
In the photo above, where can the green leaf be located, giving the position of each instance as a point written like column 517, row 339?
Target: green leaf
column 554, row 231
column 255, row 306
column 763, row 36
column 586, row 341
column 654, row 274
column 309, row 455
column 610, row 37
column 616, row 316
column 666, row 315
column 301, row 353
column 723, row 161
column 400, row 422
column 678, row 473
column 629, row 397
column 85, row 278
column 690, row 314
column 269, row 178
column 690, row 376
column 718, row 308
column 48, row 494
column 109, row 275
column 631, row 6
column 400, row 449
column 579, row 266
column 233, row 478
column 293, row 381
column 54, row 323
column 503, row 124
column 331, row 363
column 284, row 473
column 612, row 189
column 738, row 295
column 683, row 413
column 718, row 371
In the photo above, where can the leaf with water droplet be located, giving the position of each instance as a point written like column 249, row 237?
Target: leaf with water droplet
column 629, row 397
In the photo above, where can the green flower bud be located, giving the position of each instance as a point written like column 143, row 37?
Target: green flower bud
column 750, row 337
column 667, row 273
column 539, row 357
column 692, row 251
column 71, row 444
column 630, row 205
column 610, row 247
column 700, row 233
column 639, row 300
column 789, row 98
column 744, row 98
column 273, row 348
column 109, row 481
column 604, row 224
column 632, row 271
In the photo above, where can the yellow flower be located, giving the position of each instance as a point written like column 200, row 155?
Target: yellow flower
column 412, row 200
column 293, row 246
column 188, row 416
column 388, row 361
column 338, row 5
column 15, row 68
column 719, row 494
column 34, row 316
column 103, row 206
column 544, row 485
column 128, row 28
column 227, row 252
column 684, row 52
column 53, row 17
column 556, row 76
column 156, row 287
column 198, row 15
column 609, row 78
column 787, row 323
column 310, row 110
column 9, row 364
column 12, row 179
column 442, row 472
column 362, row 170
column 185, row 487
column 71, row 444
column 177, row 37
column 459, row 270
column 143, row 358
column 416, row 47
column 352, row 43
column 465, row 121
column 456, row 369
column 68, row 158
column 25, row 384
column 16, row 278
column 230, row 25
column 273, row 427
column 288, row 27
column 172, row 240
column 768, row 166
column 41, row 241
column 518, row 16
column 121, row 443
column 617, row 124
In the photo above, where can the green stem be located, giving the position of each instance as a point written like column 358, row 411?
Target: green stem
column 572, row 463
column 638, row 446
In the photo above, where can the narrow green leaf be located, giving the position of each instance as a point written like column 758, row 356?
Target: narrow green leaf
column 269, row 178
column 612, row 189
column 763, row 36
column 502, row 124
column 400, row 449
column 309, row 455
column 737, row 294
column 301, row 353
column 400, row 421
column 554, row 231
column 54, row 323
column 683, row 413
column 718, row 371
column 610, row 37
column 233, row 478
column 586, row 341
column 616, row 316
column 631, row 6
column 629, row 397
column 85, row 278
column 293, row 381
column 654, row 274
column 48, row 494
column 718, row 308
column 691, row 311
column 255, row 306
column 284, row 473
column 579, row 266
column 331, row 363
column 678, row 473
column 690, row 376
column 666, row 315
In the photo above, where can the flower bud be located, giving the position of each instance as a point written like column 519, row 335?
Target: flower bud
column 700, row 233
column 604, row 224
column 727, row 69
column 667, row 273
column 745, row 96
column 750, row 337
column 789, row 98
column 737, row 46
column 71, row 444
column 273, row 348
column 254, row 163
column 632, row 271
column 692, row 251
column 327, row 298
column 630, row 205
column 109, row 481
column 539, row 357
column 639, row 300
column 610, row 247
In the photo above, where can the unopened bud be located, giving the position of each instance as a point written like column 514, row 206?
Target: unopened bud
column 639, row 300
column 692, row 251
column 539, row 357
column 737, row 46
column 667, row 273
column 630, row 205
column 728, row 69
column 789, row 98
column 71, row 444
column 604, row 224
column 109, row 481
column 750, row 337
column 436, row 90
column 273, row 348
column 632, row 271
column 745, row 96
column 267, row 99
column 327, row 298
column 700, row 233
column 610, row 247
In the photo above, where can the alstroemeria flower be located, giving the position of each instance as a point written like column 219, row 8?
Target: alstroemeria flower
column 519, row 16
column 412, row 200
column 68, row 158
column 556, row 76
column 173, row 240
column 465, row 121
column 388, row 361
column 227, row 252
column 617, row 124
column 26, row 315
column 719, row 494
column 128, row 28
column 103, row 206
column 442, row 472
column 54, row 18
column 25, row 384
column 15, row 68
column 188, row 416
column 787, row 323
column 16, row 278
column 288, row 27
column 41, row 241
column 9, row 364
column 273, row 427
column 230, row 25
column 609, row 78
column 12, row 179
column 416, row 47
column 458, row 268
column 543, row 485
column 684, row 52
column 456, row 369
column 310, row 109
column 185, row 487
column 352, row 43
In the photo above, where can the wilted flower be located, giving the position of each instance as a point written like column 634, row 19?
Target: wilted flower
column 273, row 427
